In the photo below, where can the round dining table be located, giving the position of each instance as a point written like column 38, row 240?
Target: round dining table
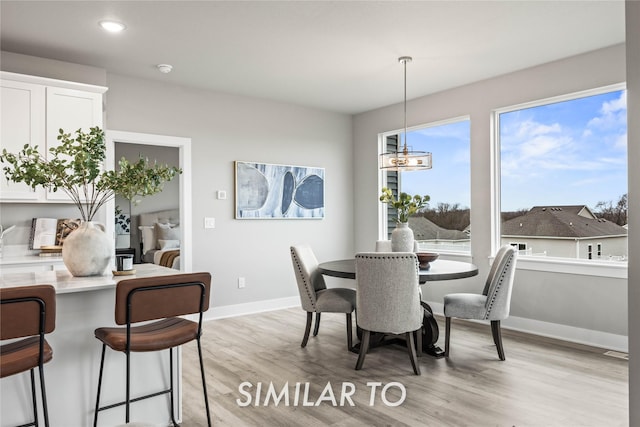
column 438, row 270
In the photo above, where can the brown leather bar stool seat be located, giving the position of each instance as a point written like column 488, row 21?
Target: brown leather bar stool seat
column 27, row 311
column 157, row 301
column 159, row 335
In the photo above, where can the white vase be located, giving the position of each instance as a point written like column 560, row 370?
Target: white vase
column 402, row 238
column 87, row 250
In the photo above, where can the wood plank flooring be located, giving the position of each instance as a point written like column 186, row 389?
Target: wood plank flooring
column 543, row 382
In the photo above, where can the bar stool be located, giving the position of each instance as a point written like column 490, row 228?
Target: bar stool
column 160, row 299
column 27, row 311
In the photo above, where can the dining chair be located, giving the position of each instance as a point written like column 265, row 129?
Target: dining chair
column 388, row 300
column 156, row 301
column 493, row 304
column 315, row 297
column 27, row 312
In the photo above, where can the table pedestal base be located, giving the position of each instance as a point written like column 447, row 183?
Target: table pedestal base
column 430, row 335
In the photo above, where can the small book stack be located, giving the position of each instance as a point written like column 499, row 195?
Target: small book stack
column 52, row 251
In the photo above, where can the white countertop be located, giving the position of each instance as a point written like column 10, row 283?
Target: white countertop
column 64, row 282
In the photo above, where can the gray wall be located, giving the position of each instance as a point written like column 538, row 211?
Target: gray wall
column 478, row 100
column 224, row 128
column 633, row 114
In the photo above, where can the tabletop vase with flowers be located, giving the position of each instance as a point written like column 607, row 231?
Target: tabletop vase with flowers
column 76, row 166
column 402, row 238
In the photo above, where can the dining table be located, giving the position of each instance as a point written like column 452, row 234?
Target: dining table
column 435, row 271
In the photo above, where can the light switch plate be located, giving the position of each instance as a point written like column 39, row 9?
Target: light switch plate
column 209, row 223
column 221, row 194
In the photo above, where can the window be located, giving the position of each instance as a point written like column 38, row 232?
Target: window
column 444, row 225
column 563, row 176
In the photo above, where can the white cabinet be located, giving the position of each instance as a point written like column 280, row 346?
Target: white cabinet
column 33, row 111
column 22, row 109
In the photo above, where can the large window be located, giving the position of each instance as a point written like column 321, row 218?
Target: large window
column 444, row 225
column 563, row 177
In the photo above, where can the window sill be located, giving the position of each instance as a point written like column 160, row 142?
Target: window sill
column 616, row 270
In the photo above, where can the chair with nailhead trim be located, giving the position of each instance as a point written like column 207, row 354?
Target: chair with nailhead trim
column 388, row 300
column 315, row 297
column 494, row 302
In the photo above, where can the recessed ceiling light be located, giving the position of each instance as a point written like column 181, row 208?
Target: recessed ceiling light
column 165, row 68
column 112, row 26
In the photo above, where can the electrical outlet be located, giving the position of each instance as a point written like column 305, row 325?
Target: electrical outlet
column 241, row 282
column 209, row 223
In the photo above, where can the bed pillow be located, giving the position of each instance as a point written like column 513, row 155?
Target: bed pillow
column 148, row 237
column 166, row 232
column 168, row 244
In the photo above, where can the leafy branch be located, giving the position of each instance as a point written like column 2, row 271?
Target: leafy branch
column 406, row 205
column 75, row 166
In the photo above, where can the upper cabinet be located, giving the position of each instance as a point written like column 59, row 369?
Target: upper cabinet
column 33, row 109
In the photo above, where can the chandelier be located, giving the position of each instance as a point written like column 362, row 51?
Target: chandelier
column 405, row 159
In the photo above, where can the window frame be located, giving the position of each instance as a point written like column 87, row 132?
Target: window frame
column 593, row 267
column 383, row 216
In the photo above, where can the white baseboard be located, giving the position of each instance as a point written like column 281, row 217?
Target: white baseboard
column 251, row 308
column 554, row 330
column 537, row 327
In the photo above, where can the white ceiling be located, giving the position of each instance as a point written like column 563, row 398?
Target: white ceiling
column 334, row 55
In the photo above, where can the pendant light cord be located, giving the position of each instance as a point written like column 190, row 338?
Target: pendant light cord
column 404, row 60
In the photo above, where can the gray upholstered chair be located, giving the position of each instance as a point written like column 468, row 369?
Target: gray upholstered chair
column 315, row 297
column 388, row 299
column 494, row 302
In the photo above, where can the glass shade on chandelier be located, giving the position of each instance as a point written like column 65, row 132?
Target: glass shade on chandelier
column 405, row 160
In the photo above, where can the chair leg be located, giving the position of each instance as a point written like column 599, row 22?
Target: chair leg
column 33, row 397
column 447, row 334
column 128, row 387
column 419, row 342
column 317, row 326
column 204, row 383
column 349, row 333
column 411, row 347
column 364, row 347
column 43, row 392
column 307, row 329
column 497, row 338
column 95, row 415
column 173, row 417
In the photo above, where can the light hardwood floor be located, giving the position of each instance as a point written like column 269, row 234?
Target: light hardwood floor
column 543, row 382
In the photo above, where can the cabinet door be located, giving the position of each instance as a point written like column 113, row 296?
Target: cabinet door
column 70, row 110
column 22, row 122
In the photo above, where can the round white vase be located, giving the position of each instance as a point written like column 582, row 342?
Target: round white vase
column 87, row 250
column 402, row 238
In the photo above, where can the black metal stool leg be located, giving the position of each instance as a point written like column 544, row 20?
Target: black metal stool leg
column 128, row 394
column 204, row 383
column 173, row 416
column 95, row 415
column 33, row 397
column 43, row 392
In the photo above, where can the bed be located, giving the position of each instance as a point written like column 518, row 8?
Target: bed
column 159, row 236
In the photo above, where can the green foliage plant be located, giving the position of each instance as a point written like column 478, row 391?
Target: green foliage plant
column 406, row 205
column 75, row 166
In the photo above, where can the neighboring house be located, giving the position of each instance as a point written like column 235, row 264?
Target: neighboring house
column 432, row 236
column 566, row 231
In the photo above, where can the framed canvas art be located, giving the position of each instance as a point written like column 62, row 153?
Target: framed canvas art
column 267, row 191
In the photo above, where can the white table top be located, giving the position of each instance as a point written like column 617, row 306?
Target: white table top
column 64, row 282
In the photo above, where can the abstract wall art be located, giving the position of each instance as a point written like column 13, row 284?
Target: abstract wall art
column 267, row 191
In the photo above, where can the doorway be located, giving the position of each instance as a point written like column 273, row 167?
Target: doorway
column 157, row 142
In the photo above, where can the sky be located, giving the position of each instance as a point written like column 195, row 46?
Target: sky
column 566, row 153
